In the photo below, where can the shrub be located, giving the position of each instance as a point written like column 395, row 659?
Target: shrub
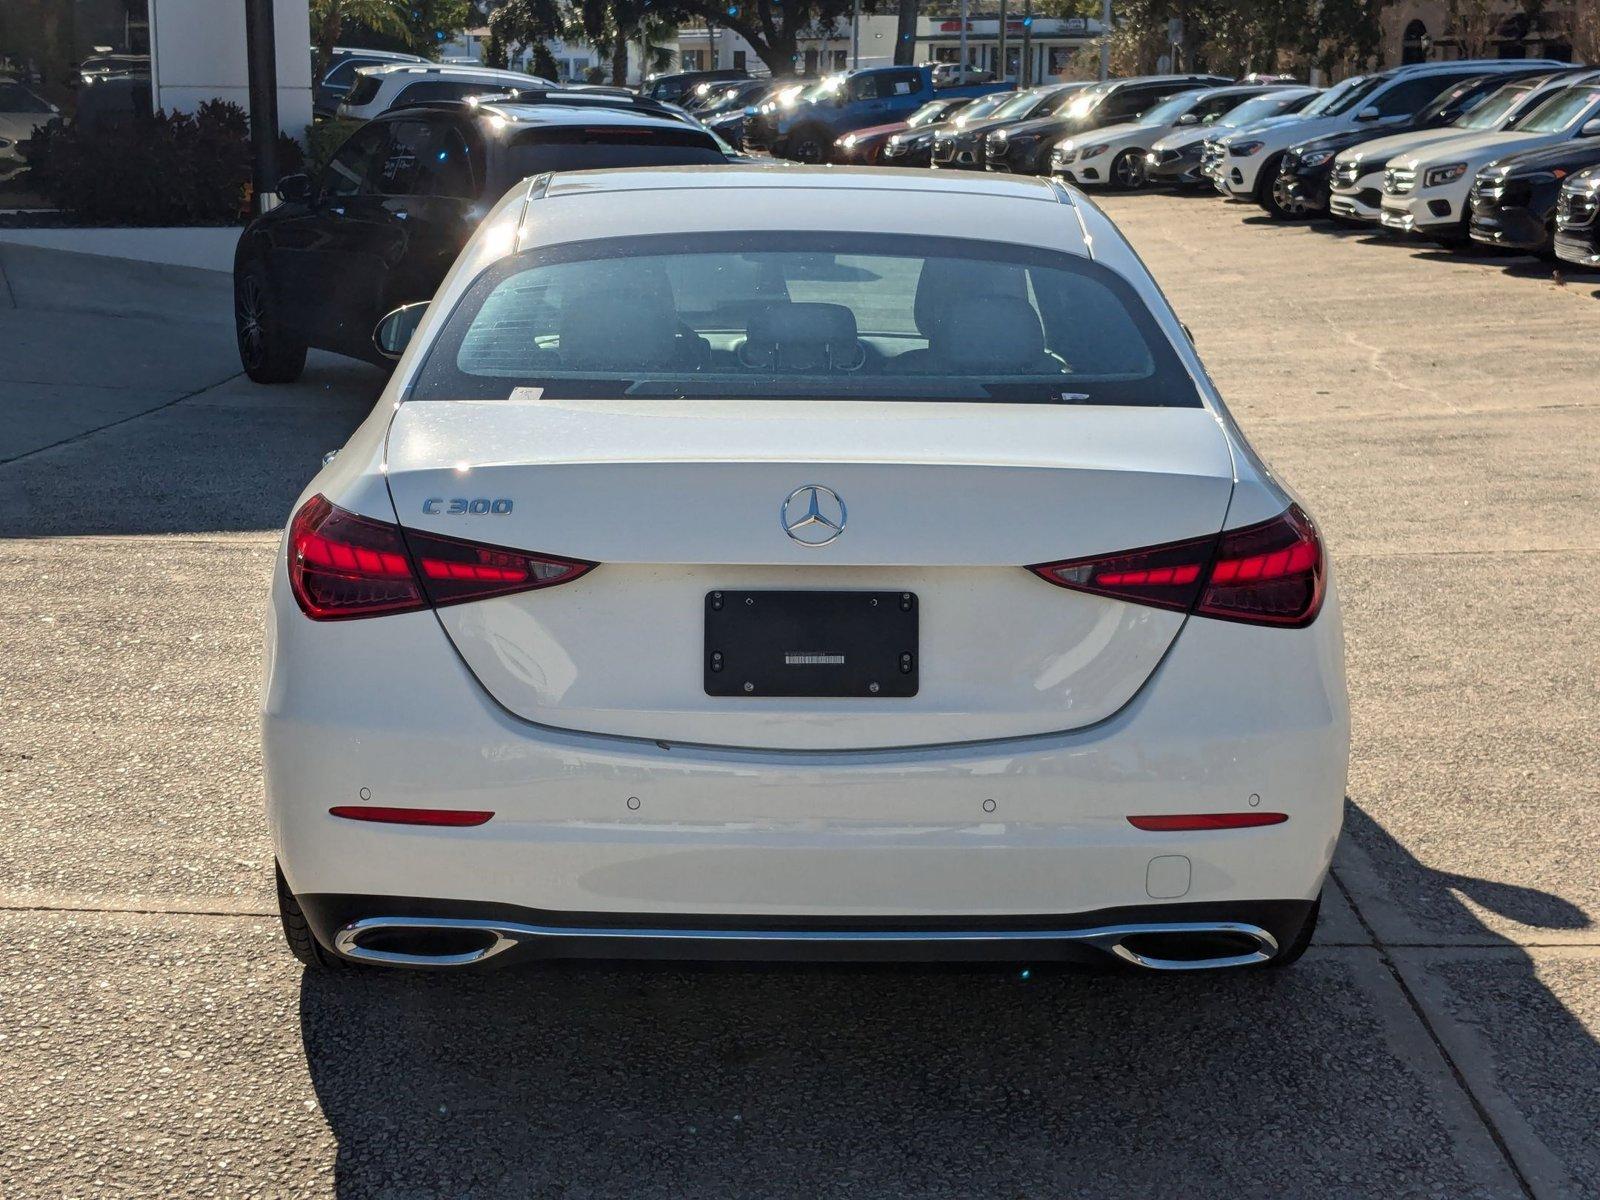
column 165, row 169
column 322, row 139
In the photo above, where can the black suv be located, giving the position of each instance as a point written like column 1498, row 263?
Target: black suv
column 1305, row 174
column 396, row 203
column 1578, row 219
column 1028, row 144
column 1514, row 199
column 961, row 147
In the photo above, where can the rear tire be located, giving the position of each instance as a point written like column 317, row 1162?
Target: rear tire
column 269, row 352
column 303, row 943
column 1290, row 954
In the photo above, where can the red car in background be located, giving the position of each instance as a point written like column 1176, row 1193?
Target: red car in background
column 864, row 147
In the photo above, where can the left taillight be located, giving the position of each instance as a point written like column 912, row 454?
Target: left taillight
column 1266, row 574
column 343, row 566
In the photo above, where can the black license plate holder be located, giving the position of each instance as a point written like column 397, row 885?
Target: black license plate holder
column 817, row 644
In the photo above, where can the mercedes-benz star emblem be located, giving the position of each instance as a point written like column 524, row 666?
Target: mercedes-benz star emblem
column 813, row 515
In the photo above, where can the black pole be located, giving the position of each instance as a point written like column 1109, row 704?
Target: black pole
column 261, row 52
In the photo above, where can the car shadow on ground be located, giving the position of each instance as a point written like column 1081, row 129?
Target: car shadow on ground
column 661, row 1080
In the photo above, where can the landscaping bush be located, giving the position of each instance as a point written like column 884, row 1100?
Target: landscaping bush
column 164, row 169
column 322, row 139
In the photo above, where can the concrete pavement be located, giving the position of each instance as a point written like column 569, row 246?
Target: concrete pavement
column 1438, row 1040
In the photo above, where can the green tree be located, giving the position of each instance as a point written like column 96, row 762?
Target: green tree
column 328, row 18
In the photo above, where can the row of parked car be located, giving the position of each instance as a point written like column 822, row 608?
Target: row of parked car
column 1505, row 153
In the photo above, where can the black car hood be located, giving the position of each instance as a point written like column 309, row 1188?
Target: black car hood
column 1346, row 138
column 1572, row 157
column 1052, row 126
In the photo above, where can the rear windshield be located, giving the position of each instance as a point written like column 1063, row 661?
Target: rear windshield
column 596, row 147
column 821, row 315
column 365, row 90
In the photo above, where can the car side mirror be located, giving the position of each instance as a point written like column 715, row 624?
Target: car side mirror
column 1590, row 128
column 295, row 189
column 393, row 333
column 1368, row 114
column 1188, row 119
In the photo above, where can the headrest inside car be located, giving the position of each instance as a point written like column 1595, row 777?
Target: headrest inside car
column 802, row 337
column 991, row 333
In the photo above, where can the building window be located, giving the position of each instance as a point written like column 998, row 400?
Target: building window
column 692, row 60
column 738, row 60
column 841, row 60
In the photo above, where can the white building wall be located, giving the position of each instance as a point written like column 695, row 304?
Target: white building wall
column 197, row 50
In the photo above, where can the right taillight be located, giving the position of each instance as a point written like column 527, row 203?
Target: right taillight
column 342, row 565
column 1266, row 574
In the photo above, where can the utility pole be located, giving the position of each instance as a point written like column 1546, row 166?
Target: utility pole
column 261, row 57
column 1105, row 39
column 855, row 34
column 1000, row 75
column 1025, row 74
column 962, row 77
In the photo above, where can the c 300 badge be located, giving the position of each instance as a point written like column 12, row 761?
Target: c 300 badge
column 438, row 506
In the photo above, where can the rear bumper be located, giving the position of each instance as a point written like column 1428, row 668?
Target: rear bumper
column 383, row 712
column 414, row 932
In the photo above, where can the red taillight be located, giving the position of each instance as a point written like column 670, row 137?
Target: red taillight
column 1267, row 574
column 1270, row 574
column 454, row 818
column 1190, row 822
column 343, row 566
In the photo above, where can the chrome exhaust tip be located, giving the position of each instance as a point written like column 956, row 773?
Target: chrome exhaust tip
column 421, row 941
column 1187, row 946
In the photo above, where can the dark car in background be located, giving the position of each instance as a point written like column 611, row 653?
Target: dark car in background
column 914, row 147
column 1305, row 173
column 679, row 84
column 865, row 147
column 1029, row 143
column 399, row 199
column 1175, row 159
column 1514, row 199
column 1577, row 238
column 961, row 147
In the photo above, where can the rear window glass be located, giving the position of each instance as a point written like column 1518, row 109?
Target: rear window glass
column 364, row 90
column 597, row 147
column 784, row 315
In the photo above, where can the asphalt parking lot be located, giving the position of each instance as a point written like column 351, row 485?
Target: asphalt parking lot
column 1441, row 416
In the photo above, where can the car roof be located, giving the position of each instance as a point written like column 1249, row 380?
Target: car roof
column 444, row 71
column 757, row 198
column 534, row 113
column 783, row 176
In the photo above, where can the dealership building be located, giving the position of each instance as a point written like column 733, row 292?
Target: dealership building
column 179, row 52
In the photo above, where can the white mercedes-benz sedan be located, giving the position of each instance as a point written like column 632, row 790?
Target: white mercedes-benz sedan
column 800, row 564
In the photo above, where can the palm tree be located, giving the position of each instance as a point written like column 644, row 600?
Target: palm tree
column 328, row 18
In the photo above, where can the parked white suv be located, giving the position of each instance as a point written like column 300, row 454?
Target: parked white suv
column 378, row 89
column 1355, row 189
column 1428, row 192
column 1251, row 156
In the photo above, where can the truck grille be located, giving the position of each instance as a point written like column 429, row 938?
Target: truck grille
column 1399, row 181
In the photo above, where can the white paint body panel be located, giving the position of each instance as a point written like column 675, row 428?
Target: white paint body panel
column 575, row 714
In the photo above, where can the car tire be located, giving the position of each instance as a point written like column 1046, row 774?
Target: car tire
column 303, row 943
column 1290, row 954
column 808, row 144
column 268, row 351
column 1127, row 171
column 1265, row 195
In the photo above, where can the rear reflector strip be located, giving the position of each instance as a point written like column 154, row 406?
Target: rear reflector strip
column 1195, row 821
column 453, row 817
